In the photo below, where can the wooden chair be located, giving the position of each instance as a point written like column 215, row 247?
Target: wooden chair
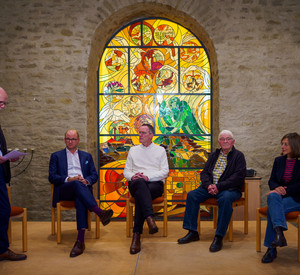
column 290, row 217
column 68, row 205
column 156, row 203
column 212, row 202
column 17, row 212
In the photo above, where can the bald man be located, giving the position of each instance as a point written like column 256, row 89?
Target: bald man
column 5, row 252
column 73, row 173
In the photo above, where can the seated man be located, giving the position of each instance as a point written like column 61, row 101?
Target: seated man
column 73, row 173
column 222, row 178
column 146, row 168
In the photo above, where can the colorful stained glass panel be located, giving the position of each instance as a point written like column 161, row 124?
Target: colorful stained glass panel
column 154, row 71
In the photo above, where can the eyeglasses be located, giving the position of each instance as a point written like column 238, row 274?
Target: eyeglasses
column 225, row 139
column 71, row 139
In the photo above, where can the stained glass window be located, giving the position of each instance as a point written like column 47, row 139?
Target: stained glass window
column 154, row 71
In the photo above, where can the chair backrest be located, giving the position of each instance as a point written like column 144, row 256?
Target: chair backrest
column 9, row 193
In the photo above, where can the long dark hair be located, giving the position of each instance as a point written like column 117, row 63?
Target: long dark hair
column 294, row 142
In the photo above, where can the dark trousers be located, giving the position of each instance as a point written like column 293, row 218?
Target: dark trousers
column 4, row 214
column 83, row 197
column 144, row 192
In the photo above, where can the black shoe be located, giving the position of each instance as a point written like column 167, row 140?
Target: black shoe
column 152, row 225
column 270, row 255
column 136, row 243
column 279, row 237
column 105, row 216
column 192, row 236
column 11, row 256
column 77, row 249
column 216, row 244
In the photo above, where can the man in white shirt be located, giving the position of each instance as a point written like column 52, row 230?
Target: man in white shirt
column 146, row 168
column 73, row 173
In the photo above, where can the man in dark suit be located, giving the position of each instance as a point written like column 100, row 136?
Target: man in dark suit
column 5, row 252
column 73, row 173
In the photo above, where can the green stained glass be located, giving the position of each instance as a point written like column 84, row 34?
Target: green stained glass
column 154, row 71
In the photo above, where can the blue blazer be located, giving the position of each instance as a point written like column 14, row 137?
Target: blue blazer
column 293, row 187
column 58, row 170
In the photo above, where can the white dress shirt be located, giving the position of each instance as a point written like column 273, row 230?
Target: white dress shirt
column 74, row 167
column 151, row 161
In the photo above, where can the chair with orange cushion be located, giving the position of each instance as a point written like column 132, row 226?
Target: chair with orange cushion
column 212, row 203
column 156, row 203
column 290, row 217
column 68, row 205
column 17, row 212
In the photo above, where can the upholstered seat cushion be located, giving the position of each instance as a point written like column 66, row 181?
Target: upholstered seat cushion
column 211, row 201
column 155, row 201
column 68, row 204
column 289, row 216
column 16, row 211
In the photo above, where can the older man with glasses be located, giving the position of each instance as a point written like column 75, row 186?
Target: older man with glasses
column 222, row 178
column 73, row 173
column 5, row 252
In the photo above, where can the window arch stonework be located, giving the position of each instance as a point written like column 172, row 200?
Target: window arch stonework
column 97, row 51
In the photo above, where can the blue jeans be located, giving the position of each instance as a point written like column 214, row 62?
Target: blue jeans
column 224, row 198
column 278, row 207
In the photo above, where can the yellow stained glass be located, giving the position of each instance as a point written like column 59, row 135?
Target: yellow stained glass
column 154, row 71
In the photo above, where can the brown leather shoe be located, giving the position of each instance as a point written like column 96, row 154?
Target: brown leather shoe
column 136, row 243
column 11, row 256
column 151, row 224
column 105, row 216
column 77, row 249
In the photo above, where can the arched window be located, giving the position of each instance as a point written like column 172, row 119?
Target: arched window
column 156, row 71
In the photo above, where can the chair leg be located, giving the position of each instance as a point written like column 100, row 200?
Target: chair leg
column 98, row 222
column 24, row 230
column 258, row 231
column 199, row 221
column 215, row 216
column 58, row 210
column 246, row 219
column 230, row 233
column 165, row 218
column 9, row 231
column 127, row 218
column 52, row 220
column 89, row 221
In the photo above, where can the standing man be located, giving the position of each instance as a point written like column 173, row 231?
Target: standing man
column 73, row 173
column 222, row 178
column 5, row 252
column 146, row 168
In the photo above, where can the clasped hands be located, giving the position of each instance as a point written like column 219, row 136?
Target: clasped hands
column 79, row 177
column 281, row 190
column 139, row 176
column 212, row 189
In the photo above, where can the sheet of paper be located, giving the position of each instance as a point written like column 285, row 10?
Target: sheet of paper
column 14, row 154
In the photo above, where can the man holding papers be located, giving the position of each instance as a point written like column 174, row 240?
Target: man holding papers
column 5, row 252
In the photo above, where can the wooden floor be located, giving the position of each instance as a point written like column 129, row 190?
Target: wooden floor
column 159, row 255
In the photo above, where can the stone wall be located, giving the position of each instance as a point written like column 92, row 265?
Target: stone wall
column 50, row 52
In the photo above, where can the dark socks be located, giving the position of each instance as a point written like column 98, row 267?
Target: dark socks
column 80, row 236
column 97, row 210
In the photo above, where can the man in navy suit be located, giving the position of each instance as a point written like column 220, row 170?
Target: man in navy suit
column 73, row 174
column 5, row 252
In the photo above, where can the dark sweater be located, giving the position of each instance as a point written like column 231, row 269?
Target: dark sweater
column 234, row 174
column 276, row 178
